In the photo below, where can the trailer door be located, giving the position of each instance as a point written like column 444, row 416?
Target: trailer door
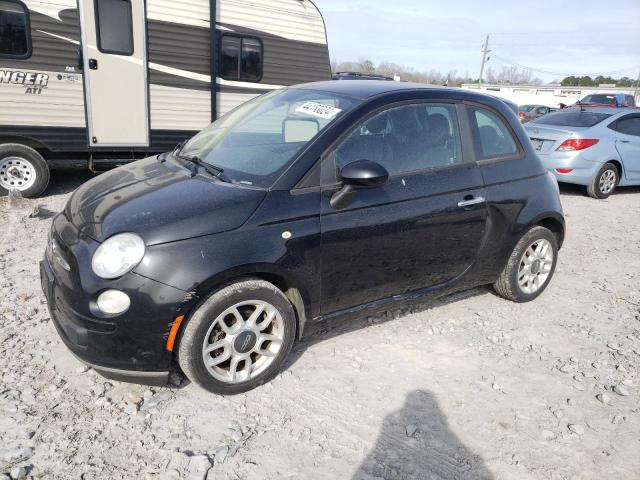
column 115, row 71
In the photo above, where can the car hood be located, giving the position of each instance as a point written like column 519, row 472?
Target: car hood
column 161, row 202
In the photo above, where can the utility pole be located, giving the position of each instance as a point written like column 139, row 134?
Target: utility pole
column 485, row 51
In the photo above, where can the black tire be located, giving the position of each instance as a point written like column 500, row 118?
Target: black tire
column 26, row 155
column 507, row 285
column 190, row 350
column 595, row 189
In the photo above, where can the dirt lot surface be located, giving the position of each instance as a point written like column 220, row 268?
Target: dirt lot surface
column 471, row 386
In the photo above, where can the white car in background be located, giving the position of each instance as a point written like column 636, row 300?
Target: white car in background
column 597, row 147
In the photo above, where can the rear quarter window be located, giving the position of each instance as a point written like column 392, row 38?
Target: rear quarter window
column 579, row 118
column 494, row 137
column 628, row 126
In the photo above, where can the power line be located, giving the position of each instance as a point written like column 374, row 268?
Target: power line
column 550, row 72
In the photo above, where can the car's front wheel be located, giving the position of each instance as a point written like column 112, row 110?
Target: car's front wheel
column 530, row 267
column 238, row 338
column 605, row 182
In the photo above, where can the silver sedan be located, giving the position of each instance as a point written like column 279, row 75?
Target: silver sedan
column 596, row 147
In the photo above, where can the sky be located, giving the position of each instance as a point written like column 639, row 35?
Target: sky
column 560, row 37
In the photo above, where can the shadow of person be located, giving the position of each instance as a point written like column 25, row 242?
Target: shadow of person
column 416, row 443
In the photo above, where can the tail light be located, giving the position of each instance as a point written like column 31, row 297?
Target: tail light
column 521, row 115
column 577, row 144
column 564, row 170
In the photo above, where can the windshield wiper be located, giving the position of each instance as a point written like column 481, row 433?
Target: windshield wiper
column 195, row 161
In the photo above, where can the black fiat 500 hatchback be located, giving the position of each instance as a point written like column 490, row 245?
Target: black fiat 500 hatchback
column 300, row 205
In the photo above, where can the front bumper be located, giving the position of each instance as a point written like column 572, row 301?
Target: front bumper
column 153, row 379
column 130, row 347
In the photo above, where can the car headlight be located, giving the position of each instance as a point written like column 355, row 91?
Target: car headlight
column 117, row 255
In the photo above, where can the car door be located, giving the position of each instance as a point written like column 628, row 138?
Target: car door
column 422, row 228
column 627, row 134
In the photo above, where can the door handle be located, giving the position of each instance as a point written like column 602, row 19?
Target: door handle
column 471, row 202
column 93, row 64
column 623, row 141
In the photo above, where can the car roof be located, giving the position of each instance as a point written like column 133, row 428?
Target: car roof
column 607, row 110
column 364, row 89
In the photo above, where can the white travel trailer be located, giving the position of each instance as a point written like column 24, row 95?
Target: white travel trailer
column 102, row 82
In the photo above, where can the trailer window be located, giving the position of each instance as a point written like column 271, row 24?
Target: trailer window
column 115, row 26
column 15, row 34
column 241, row 58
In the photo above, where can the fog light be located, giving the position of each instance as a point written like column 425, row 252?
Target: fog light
column 113, row 302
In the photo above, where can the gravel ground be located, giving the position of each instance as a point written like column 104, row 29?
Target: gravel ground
column 471, row 386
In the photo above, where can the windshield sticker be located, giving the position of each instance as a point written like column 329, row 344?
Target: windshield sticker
column 318, row 110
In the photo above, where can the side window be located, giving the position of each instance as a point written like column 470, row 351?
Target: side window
column 15, row 32
column 405, row 139
column 240, row 58
column 495, row 138
column 115, row 26
column 541, row 110
column 629, row 126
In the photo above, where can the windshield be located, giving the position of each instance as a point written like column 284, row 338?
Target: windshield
column 526, row 108
column 255, row 142
column 573, row 118
column 599, row 98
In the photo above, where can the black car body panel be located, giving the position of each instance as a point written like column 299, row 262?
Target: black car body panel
column 216, row 259
column 95, row 338
column 378, row 229
column 201, row 232
column 148, row 196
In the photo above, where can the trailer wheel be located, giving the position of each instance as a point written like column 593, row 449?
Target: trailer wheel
column 22, row 169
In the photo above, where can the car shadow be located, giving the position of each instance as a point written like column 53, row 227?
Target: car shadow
column 416, row 442
column 573, row 190
column 67, row 180
column 626, row 191
column 351, row 322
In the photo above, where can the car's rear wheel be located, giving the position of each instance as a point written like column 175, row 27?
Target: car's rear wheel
column 238, row 338
column 605, row 182
column 22, row 169
column 530, row 267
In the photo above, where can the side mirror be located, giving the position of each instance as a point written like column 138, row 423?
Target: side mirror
column 358, row 175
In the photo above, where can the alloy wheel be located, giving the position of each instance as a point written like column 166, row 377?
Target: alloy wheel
column 535, row 266
column 607, row 181
column 243, row 341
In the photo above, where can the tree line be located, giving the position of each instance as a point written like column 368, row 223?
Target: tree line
column 505, row 75
column 587, row 81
